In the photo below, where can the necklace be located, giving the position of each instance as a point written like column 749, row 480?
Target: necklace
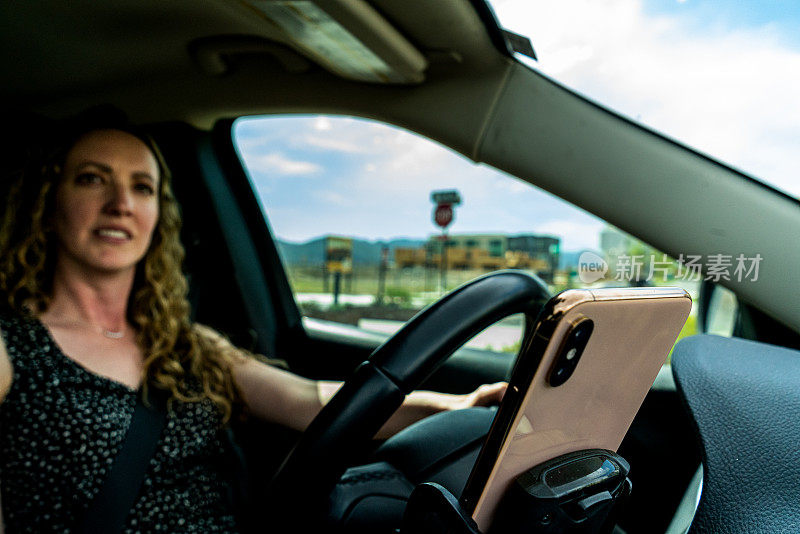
column 111, row 334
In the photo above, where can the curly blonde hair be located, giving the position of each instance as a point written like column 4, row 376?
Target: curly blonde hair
column 185, row 360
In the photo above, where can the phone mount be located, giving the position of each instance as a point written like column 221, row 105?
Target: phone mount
column 580, row 492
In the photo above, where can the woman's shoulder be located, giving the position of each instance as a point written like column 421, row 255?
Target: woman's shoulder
column 218, row 343
column 208, row 334
column 210, row 341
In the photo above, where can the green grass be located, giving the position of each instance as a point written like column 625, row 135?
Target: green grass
column 689, row 329
column 364, row 280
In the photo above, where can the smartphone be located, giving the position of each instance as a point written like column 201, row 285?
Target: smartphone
column 586, row 365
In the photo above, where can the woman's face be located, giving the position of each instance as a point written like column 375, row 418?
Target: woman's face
column 106, row 203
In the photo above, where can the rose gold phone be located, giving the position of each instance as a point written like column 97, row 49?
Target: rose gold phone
column 577, row 383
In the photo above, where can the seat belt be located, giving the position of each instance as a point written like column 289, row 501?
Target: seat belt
column 112, row 504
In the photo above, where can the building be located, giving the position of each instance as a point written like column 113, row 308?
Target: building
column 494, row 244
column 486, row 252
column 539, row 248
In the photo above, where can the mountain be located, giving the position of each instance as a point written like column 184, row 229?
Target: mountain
column 364, row 252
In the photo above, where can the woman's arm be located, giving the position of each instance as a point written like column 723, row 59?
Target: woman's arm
column 6, row 374
column 279, row 396
column 282, row 397
column 420, row 404
column 275, row 395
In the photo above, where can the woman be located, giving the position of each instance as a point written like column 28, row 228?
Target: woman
column 95, row 314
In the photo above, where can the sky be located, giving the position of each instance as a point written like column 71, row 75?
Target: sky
column 720, row 76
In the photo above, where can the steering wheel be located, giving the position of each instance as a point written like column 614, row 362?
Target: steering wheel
column 342, row 431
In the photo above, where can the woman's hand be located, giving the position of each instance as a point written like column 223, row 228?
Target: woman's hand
column 421, row 404
column 485, row 395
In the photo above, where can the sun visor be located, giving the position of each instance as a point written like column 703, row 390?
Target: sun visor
column 346, row 37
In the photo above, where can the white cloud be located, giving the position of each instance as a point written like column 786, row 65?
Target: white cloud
column 249, row 146
column 335, row 144
column 322, row 123
column 729, row 92
column 333, row 198
column 511, row 184
column 276, row 162
column 345, row 135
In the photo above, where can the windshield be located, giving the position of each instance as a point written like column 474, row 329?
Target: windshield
column 720, row 76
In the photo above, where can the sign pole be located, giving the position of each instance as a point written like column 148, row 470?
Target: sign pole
column 382, row 273
column 443, row 216
column 337, row 283
column 443, row 271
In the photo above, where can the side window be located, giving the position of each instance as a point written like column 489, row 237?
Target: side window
column 373, row 223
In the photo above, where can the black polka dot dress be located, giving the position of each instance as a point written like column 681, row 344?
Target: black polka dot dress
column 61, row 427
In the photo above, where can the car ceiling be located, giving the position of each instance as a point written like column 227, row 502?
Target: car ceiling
column 151, row 59
column 145, row 53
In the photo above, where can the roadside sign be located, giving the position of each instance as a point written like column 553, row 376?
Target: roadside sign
column 448, row 196
column 338, row 254
column 443, row 215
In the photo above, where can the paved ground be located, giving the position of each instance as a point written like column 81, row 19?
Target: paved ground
column 496, row 337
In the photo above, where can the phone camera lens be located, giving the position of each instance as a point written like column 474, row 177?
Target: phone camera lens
column 571, row 352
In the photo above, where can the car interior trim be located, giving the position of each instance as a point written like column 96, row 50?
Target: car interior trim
column 247, row 266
